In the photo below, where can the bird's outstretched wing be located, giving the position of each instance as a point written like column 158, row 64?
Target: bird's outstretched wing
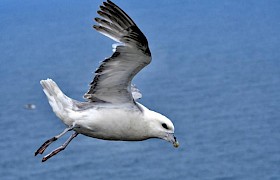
column 112, row 81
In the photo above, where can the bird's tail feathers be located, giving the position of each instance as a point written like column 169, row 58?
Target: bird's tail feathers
column 59, row 102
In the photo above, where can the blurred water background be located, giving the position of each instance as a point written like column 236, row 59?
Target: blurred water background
column 215, row 73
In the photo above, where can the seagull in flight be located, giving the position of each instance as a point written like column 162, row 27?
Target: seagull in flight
column 111, row 110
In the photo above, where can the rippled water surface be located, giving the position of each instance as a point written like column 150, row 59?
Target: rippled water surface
column 215, row 73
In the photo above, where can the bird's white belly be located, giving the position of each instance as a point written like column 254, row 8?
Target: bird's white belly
column 113, row 124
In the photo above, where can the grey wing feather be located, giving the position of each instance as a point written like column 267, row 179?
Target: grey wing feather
column 112, row 81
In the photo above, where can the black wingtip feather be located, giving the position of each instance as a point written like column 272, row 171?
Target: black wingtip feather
column 101, row 13
column 96, row 27
column 102, row 8
column 97, row 19
column 105, row 3
column 110, row 2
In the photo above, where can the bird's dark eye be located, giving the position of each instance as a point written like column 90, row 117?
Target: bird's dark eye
column 164, row 126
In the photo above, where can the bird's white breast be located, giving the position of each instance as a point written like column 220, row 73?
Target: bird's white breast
column 112, row 124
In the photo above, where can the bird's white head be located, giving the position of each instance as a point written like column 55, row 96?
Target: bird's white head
column 162, row 127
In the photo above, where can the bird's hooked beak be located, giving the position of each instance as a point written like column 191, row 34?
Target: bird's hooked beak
column 171, row 138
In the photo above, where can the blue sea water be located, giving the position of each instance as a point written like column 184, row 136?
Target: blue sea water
column 215, row 73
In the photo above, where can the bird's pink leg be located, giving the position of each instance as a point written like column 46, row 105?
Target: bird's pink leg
column 62, row 147
column 49, row 141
